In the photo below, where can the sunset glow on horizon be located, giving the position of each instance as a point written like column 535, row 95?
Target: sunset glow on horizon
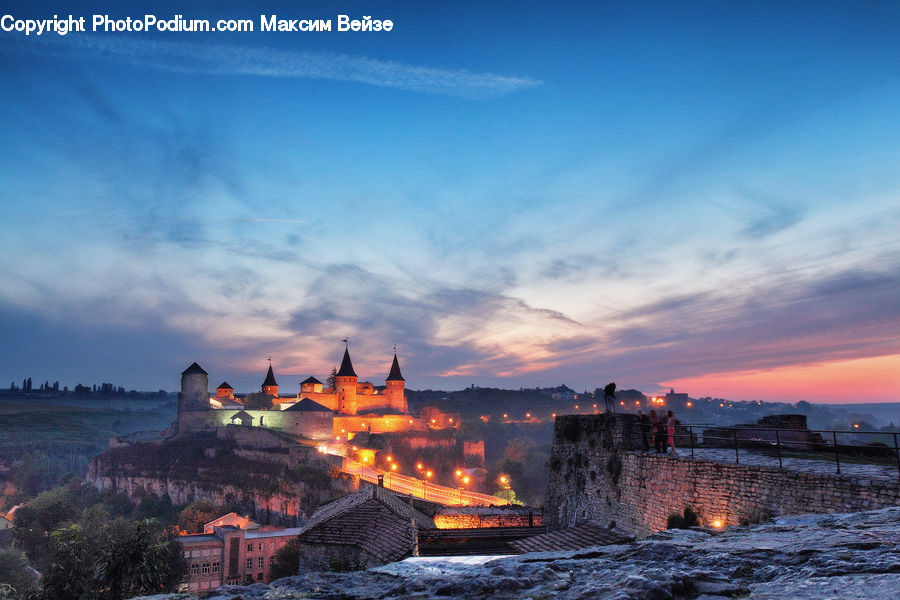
column 829, row 382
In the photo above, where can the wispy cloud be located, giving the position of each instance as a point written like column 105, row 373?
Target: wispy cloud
column 220, row 59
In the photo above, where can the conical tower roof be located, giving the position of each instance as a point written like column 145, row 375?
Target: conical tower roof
column 194, row 368
column 270, row 378
column 346, row 369
column 395, row 375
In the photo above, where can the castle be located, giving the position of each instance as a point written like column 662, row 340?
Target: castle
column 316, row 412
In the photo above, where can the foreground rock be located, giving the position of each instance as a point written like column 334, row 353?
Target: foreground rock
column 806, row 557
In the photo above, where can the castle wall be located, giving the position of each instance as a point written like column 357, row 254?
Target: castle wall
column 309, row 424
column 344, row 424
column 594, row 476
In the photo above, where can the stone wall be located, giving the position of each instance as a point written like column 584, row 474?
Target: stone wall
column 595, row 476
column 309, row 424
column 483, row 517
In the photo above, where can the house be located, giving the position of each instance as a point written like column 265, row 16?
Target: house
column 368, row 528
column 231, row 555
column 232, row 519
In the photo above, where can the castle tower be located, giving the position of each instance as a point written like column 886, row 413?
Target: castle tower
column 345, row 381
column 194, row 393
column 396, row 386
column 270, row 386
column 224, row 390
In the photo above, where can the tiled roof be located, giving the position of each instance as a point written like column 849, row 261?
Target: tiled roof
column 346, row 369
column 241, row 414
column 571, row 538
column 310, row 379
column 194, row 368
column 197, row 538
column 250, row 535
column 373, row 519
column 270, row 378
column 395, row 375
column 224, row 385
column 307, row 405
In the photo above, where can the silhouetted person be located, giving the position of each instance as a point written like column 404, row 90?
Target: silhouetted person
column 644, row 422
column 657, row 432
column 670, row 425
column 609, row 395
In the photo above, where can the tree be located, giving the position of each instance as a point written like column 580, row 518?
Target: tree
column 287, row 560
column 258, row 401
column 15, row 574
column 332, row 379
column 120, row 560
column 195, row 515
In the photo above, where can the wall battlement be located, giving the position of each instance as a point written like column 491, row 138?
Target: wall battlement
column 595, row 475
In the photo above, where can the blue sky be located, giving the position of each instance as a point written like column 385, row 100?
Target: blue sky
column 516, row 194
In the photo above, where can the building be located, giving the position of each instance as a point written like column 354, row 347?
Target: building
column 350, row 396
column 368, row 528
column 316, row 412
column 230, row 555
column 234, row 519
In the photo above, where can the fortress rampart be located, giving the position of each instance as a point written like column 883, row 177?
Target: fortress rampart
column 595, row 475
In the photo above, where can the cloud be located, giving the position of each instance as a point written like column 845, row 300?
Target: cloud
column 220, row 59
column 851, row 314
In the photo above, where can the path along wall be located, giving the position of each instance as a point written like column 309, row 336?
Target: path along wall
column 596, row 476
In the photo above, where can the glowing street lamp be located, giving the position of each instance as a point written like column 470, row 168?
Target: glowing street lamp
column 458, row 472
column 419, row 466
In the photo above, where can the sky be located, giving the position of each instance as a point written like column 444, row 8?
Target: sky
column 697, row 195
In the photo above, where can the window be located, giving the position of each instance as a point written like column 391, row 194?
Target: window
column 259, row 547
column 271, row 560
column 261, row 563
column 216, row 567
column 249, row 547
column 205, row 569
column 195, row 569
column 259, row 576
column 249, row 563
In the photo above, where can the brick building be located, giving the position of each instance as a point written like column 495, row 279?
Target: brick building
column 231, row 556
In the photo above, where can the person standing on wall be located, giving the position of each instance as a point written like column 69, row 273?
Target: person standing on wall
column 609, row 396
column 670, row 425
column 658, row 427
column 644, row 423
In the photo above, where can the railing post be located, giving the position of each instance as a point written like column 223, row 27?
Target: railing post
column 778, row 446
column 691, row 438
column 897, row 454
column 737, row 459
column 837, row 459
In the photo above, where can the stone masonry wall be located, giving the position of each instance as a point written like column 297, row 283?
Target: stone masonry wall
column 595, row 476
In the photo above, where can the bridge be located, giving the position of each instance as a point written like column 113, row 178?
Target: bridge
column 420, row 488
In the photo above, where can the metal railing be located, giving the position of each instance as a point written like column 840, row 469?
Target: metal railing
column 798, row 443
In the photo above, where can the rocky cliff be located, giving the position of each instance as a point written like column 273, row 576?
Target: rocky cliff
column 806, row 557
column 274, row 481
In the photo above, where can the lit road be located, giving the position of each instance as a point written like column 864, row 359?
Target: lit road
column 419, row 488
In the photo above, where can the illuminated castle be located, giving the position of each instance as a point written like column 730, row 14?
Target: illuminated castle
column 351, row 396
column 315, row 412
